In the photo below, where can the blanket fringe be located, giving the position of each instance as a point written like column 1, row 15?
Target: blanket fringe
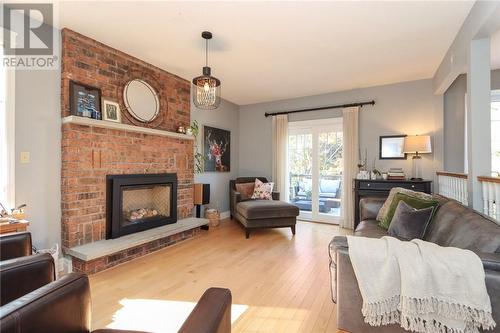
column 409, row 313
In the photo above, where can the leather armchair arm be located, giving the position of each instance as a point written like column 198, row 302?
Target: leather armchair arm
column 276, row 195
column 60, row 306
column 20, row 276
column 369, row 207
column 212, row 314
column 490, row 261
column 15, row 245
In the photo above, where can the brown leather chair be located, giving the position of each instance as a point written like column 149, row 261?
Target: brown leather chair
column 64, row 306
column 15, row 245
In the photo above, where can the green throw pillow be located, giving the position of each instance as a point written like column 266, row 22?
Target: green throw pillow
column 414, row 202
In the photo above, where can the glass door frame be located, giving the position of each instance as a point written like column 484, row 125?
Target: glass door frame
column 315, row 127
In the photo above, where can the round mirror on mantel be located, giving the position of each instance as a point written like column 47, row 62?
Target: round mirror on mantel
column 141, row 100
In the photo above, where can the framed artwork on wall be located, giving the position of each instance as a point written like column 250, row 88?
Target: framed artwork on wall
column 216, row 149
column 111, row 111
column 85, row 101
column 391, row 147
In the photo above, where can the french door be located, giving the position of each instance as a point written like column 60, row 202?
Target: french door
column 315, row 169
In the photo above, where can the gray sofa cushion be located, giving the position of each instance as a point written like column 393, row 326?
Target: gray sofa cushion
column 409, row 223
column 264, row 209
column 459, row 226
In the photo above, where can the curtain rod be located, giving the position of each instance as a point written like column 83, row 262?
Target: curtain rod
column 267, row 114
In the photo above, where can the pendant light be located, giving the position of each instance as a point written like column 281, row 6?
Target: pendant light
column 206, row 88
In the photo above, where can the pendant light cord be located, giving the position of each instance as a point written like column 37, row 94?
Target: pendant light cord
column 206, row 52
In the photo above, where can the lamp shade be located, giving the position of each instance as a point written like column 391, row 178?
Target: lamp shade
column 417, row 144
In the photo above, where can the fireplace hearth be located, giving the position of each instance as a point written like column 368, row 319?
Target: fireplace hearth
column 139, row 202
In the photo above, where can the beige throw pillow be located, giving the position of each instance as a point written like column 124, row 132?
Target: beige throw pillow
column 382, row 213
column 246, row 190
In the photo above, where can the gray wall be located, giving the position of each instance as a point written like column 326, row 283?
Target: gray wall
column 403, row 108
column 225, row 117
column 38, row 131
column 454, row 121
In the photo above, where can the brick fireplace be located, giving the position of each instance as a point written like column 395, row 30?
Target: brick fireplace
column 91, row 152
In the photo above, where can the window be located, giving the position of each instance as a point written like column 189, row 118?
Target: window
column 7, row 126
column 495, row 132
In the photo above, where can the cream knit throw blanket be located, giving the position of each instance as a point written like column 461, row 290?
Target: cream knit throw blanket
column 420, row 285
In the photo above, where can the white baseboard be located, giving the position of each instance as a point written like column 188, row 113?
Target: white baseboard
column 225, row 215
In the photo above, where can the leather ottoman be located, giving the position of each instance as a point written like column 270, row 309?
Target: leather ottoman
column 255, row 214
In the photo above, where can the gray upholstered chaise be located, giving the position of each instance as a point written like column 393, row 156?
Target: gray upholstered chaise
column 256, row 214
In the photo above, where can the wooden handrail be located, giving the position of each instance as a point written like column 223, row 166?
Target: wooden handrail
column 452, row 174
column 488, row 179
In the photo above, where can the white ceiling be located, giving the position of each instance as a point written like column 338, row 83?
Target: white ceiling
column 265, row 51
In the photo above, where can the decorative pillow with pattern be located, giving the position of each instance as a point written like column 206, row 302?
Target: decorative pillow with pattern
column 263, row 191
column 382, row 213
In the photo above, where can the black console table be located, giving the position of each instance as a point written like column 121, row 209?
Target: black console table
column 381, row 188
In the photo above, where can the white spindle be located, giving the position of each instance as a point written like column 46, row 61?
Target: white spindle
column 453, row 186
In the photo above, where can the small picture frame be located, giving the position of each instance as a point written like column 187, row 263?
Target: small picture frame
column 111, row 111
column 391, row 147
column 85, row 101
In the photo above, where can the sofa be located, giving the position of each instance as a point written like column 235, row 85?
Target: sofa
column 256, row 214
column 453, row 225
column 34, row 302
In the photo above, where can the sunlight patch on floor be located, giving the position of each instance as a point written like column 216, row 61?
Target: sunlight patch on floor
column 158, row 315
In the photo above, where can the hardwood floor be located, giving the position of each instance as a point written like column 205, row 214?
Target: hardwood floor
column 279, row 283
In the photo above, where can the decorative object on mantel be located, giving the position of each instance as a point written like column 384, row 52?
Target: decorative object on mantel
column 391, row 147
column 85, row 101
column 206, row 88
column 111, row 111
column 141, row 100
column 217, row 149
column 181, row 129
column 417, row 144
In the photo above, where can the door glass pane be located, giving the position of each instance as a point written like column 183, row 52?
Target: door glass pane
column 300, row 170
column 330, row 173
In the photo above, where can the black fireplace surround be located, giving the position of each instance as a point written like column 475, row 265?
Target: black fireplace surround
column 139, row 202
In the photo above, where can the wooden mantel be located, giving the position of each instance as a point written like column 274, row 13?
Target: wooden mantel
column 124, row 127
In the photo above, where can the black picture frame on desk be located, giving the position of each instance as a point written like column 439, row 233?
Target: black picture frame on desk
column 392, row 142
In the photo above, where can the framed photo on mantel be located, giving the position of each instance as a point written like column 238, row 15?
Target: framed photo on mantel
column 391, row 147
column 84, row 101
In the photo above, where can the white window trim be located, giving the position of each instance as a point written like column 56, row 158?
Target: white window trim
column 10, row 84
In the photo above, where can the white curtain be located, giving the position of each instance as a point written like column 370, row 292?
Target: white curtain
column 350, row 131
column 280, row 146
column 7, row 125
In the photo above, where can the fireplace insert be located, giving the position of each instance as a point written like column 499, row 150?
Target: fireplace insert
column 139, row 202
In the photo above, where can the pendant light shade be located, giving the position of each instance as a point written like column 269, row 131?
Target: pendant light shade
column 206, row 88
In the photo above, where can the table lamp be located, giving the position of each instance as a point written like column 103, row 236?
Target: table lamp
column 417, row 144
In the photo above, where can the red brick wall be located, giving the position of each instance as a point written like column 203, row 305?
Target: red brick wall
column 91, row 153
